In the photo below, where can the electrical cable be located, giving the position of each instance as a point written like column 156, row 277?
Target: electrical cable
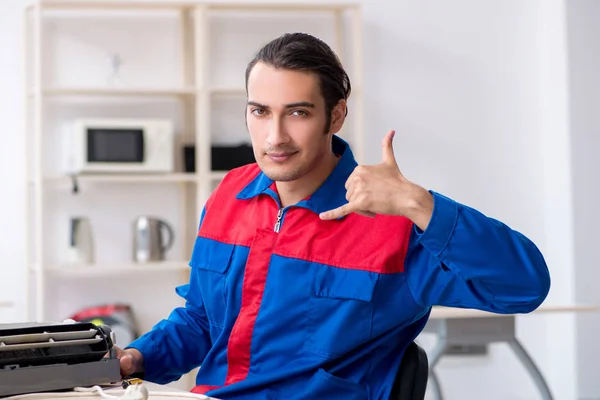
column 133, row 392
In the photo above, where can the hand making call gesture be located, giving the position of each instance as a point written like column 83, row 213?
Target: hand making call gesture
column 382, row 189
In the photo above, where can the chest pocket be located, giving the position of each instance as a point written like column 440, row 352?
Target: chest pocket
column 340, row 310
column 212, row 260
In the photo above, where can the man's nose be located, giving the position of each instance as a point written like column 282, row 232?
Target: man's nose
column 277, row 135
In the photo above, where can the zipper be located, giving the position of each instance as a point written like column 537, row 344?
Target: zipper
column 278, row 222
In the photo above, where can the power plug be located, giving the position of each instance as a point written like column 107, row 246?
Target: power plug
column 135, row 392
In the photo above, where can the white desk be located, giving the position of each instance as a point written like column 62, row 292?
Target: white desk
column 155, row 391
column 456, row 326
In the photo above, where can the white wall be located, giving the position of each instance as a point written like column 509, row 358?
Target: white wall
column 559, row 339
column 584, row 68
column 479, row 95
column 460, row 86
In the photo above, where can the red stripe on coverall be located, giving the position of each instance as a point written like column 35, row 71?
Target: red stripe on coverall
column 203, row 389
column 255, row 278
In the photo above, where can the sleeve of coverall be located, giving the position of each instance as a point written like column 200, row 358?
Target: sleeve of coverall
column 465, row 259
column 178, row 344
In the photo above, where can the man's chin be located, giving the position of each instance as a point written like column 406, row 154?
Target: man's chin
column 279, row 174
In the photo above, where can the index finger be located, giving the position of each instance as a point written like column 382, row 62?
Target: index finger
column 339, row 212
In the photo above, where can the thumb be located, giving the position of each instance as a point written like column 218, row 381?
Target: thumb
column 388, row 149
column 128, row 363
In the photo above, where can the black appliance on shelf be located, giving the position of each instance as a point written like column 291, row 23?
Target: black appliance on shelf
column 222, row 157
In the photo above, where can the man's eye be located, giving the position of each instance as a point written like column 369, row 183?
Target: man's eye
column 300, row 113
column 258, row 111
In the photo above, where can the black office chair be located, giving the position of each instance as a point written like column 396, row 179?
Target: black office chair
column 411, row 380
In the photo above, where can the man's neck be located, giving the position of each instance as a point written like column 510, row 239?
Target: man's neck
column 295, row 191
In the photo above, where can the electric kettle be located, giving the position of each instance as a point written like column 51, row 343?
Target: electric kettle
column 149, row 241
column 81, row 241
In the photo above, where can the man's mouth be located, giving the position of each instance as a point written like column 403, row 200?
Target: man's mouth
column 280, row 156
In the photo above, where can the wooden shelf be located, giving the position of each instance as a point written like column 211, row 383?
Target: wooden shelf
column 135, row 92
column 129, row 178
column 95, row 270
column 235, row 91
column 77, row 5
column 134, row 178
column 291, row 6
column 218, row 175
column 140, row 92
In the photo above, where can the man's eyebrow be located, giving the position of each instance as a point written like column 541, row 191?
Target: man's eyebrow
column 255, row 104
column 290, row 105
column 300, row 104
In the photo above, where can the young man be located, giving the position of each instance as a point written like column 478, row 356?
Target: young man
column 310, row 274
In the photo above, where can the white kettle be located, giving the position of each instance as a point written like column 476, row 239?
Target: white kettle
column 81, row 242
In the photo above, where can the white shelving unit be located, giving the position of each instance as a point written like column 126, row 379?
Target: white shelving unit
column 202, row 100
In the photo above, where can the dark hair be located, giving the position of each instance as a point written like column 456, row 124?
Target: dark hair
column 301, row 51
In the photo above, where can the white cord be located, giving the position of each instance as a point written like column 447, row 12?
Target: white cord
column 133, row 392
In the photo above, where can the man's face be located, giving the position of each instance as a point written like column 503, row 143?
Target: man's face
column 286, row 119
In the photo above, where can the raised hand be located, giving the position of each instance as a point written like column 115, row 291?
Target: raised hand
column 382, row 189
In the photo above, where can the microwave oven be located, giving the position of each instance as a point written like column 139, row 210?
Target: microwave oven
column 120, row 146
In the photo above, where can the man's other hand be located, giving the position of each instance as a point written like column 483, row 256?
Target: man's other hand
column 131, row 361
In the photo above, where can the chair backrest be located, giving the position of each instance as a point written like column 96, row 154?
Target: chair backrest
column 411, row 380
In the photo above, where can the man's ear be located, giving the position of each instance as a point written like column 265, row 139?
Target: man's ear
column 338, row 116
